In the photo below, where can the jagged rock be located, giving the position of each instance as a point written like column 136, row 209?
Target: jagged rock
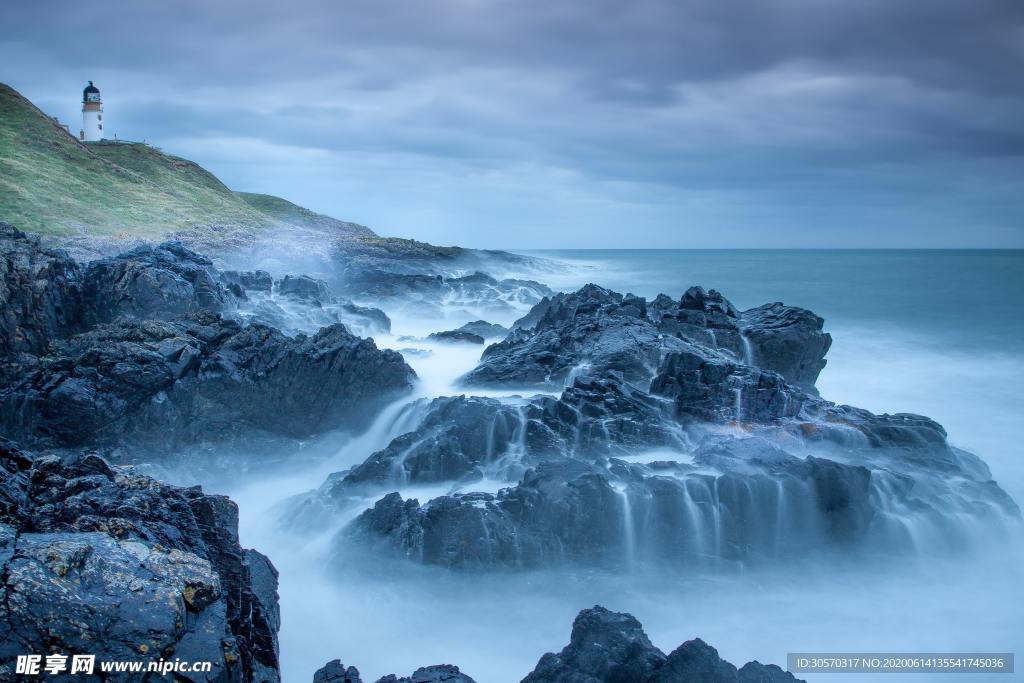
column 611, row 647
column 40, row 293
column 438, row 673
column 456, row 336
column 415, row 285
column 304, row 287
column 605, row 646
column 466, row 438
column 199, row 379
column 710, row 386
column 738, row 500
column 787, row 340
column 336, row 672
column 255, row 280
column 597, row 330
column 104, row 561
column 484, row 329
column 152, row 283
column 593, row 330
column 301, row 304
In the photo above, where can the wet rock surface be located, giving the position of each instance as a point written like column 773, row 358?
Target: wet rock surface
column 148, row 349
column 101, row 560
column 604, row 647
column 597, row 330
column 749, row 467
column 40, row 293
column 196, row 379
column 456, row 337
column 485, row 329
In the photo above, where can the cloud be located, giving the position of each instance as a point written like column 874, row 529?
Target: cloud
column 790, row 123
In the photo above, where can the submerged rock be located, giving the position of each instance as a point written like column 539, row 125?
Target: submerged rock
column 198, row 379
column 100, row 560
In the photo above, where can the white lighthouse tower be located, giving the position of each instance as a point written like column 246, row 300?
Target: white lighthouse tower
column 92, row 114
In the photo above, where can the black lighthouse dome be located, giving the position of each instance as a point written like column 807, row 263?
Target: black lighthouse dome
column 90, row 90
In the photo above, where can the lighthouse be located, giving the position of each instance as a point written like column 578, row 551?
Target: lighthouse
column 92, row 114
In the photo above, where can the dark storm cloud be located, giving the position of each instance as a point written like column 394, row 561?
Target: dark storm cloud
column 807, row 122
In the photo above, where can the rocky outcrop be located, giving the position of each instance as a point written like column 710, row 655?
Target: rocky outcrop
column 593, row 330
column 152, row 283
column 611, row 647
column 198, row 379
column 597, row 330
column 40, row 294
column 336, row 672
column 484, row 329
column 605, row 647
column 468, row 438
column 456, row 337
column 419, row 289
column 101, row 560
column 301, row 304
column 786, row 340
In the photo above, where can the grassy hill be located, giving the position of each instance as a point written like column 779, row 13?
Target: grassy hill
column 52, row 184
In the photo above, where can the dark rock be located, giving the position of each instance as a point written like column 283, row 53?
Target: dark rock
column 304, row 287
column 456, row 336
column 336, row 672
column 102, row 560
column 484, row 329
column 254, row 280
column 466, row 438
column 593, row 330
column 152, row 283
column 611, row 647
column 199, row 379
column 40, row 294
column 710, row 386
column 605, row 647
column 787, row 340
column 438, row 673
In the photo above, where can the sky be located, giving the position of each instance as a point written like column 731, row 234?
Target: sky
column 584, row 124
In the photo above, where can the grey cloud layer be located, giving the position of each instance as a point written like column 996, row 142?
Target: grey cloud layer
column 796, row 123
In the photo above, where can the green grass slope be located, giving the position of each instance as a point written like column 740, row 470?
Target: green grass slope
column 52, row 184
column 286, row 212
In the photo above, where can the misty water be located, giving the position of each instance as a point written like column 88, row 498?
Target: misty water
column 936, row 333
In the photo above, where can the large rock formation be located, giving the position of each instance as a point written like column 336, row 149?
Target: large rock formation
column 133, row 351
column 596, row 330
column 748, row 466
column 198, row 379
column 101, row 560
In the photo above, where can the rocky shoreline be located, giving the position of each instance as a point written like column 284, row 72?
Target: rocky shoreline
column 156, row 354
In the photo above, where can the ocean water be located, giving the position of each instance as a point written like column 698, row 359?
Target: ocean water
column 934, row 332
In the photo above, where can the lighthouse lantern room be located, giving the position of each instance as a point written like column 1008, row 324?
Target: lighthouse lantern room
column 92, row 114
